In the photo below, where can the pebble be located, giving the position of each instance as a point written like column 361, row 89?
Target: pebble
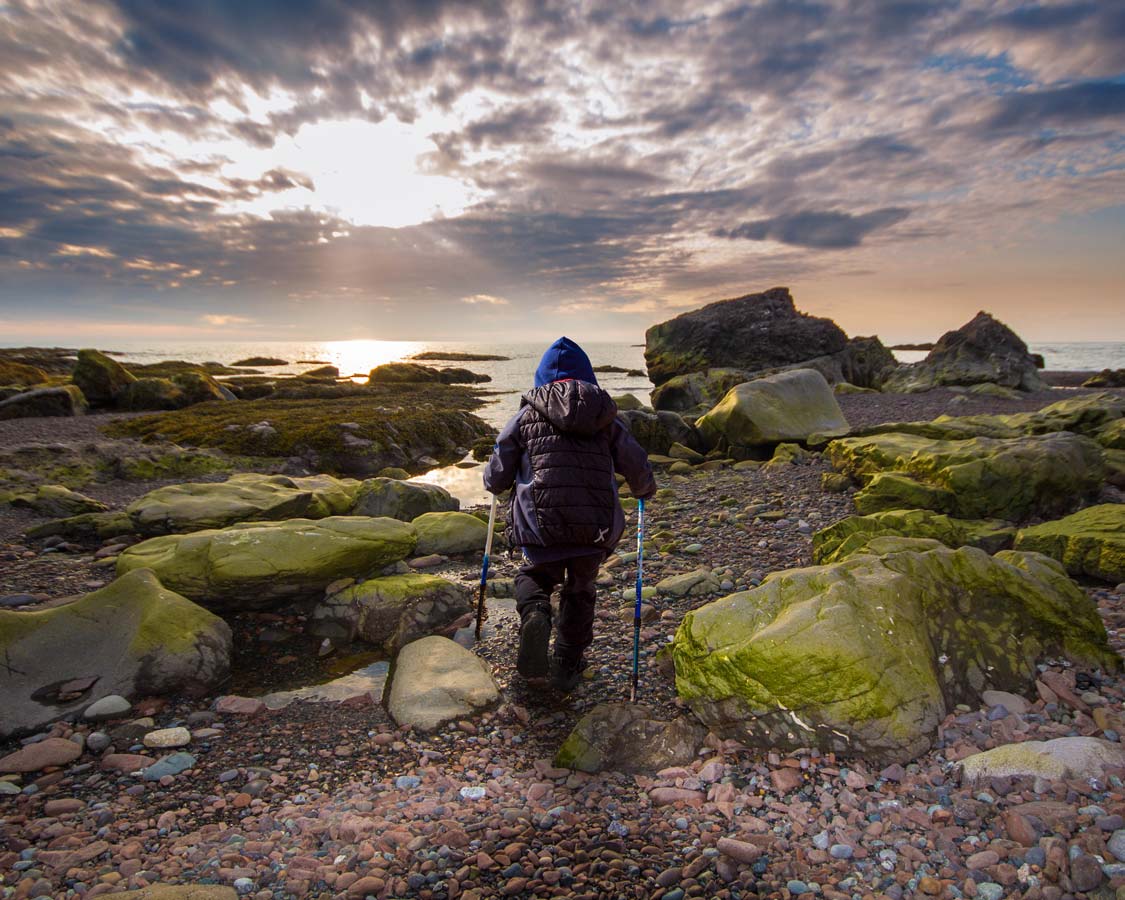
column 168, row 737
column 474, row 792
column 168, row 767
column 111, row 706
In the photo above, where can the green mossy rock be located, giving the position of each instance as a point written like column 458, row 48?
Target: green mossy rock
column 133, row 637
column 628, row 401
column 402, row 500
column 14, row 374
column 449, row 532
column 392, row 611
column 656, row 432
column 1009, row 478
column 787, row 454
column 1077, row 757
column 180, row 508
column 852, row 535
column 830, row 482
column 255, row 565
column 627, row 737
column 85, row 527
column 866, row 656
column 323, row 372
column 785, row 407
column 100, row 378
column 66, row 400
column 147, row 394
column 1115, row 467
column 1112, row 435
column 1089, row 542
column 59, row 501
column 199, row 387
column 987, row 389
column 698, row 390
column 397, row 373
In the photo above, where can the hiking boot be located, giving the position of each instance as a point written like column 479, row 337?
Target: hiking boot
column 566, row 673
column 535, row 636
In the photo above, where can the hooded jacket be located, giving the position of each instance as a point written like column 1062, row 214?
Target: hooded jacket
column 560, row 452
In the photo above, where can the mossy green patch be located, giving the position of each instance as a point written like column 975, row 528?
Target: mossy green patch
column 20, row 375
column 852, row 535
column 1089, row 542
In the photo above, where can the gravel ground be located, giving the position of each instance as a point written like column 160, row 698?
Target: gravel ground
column 334, row 801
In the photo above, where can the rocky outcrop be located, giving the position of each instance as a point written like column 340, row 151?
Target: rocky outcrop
column 403, row 500
column 791, row 406
column 150, row 394
column 1113, row 378
column 101, row 379
column 255, row 565
column 753, row 332
column 435, row 681
column 626, row 737
column 1007, row 478
column 133, row 637
column 449, row 532
column 67, row 400
column 400, row 373
column 199, row 387
column 391, row 611
column 658, row 431
column 982, row 350
column 1089, row 542
column 853, row 534
column 57, row 500
column 867, row 656
column 180, row 508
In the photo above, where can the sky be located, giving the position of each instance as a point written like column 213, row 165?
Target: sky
column 429, row 169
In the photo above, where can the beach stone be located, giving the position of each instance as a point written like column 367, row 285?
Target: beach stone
column 435, row 680
column 888, row 643
column 449, row 532
column 232, row 704
column 40, row 755
column 168, row 737
column 851, row 535
column 689, row 584
column 981, row 477
column 255, row 565
column 1065, row 757
column 1011, row 702
column 656, row 432
column 126, row 763
column 1088, row 542
column 180, row 892
column 169, row 765
column 983, row 350
column 197, row 506
column 137, row 637
column 740, row 851
column 102, row 380
column 67, row 400
column 629, row 737
column 789, row 406
column 402, row 500
column 112, row 706
column 57, row 500
column 391, row 611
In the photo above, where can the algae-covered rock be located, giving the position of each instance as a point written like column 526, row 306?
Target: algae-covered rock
column 852, row 535
column 254, row 565
column 133, row 637
column 1112, row 435
column 689, row 584
column 698, row 390
column 656, row 432
column 199, row 387
column 399, row 499
column 449, row 532
column 85, row 527
column 1106, row 378
column 147, row 393
column 894, row 490
column 1067, row 757
column 866, row 656
column 57, row 500
column 392, row 611
column 1089, row 542
column 435, row 681
column 100, row 378
column 628, row 401
column 785, row 407
column 67, row 400
column 20, row 374
column 180, row 508
column 398, row 372
column 787, row 454
column 1009, row 478
column 627, row 737
column 998, row 391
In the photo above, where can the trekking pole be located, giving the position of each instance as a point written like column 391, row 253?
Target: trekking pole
column 484, row 566
column 637, row 607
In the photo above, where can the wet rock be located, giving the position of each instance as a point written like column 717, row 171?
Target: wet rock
column 629, row 737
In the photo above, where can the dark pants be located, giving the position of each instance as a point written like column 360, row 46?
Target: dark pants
column 574, row 630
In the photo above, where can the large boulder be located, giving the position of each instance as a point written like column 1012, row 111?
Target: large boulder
column 199, row 387
column 790, row 406
column 435, row 681
column 1009, row 478
column 403, row 500
column 982, row 350
column 866, row 656
column 391, row 611
column 449, row 532
column 254, row 565
column 1089, row 542
column 100, row 378
column 626, row 737
column 1080, row 758
column 656, row 432
column 403, row 373
column 753, row 332
column 150, row 394
column 841, row 539
column 180, row 508
column 134, row 638
column 67, row 400
column 698, row 390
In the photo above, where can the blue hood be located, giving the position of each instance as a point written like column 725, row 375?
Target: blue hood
column 564, row 359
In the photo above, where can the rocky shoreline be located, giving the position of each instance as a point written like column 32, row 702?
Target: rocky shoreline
column 335, row 800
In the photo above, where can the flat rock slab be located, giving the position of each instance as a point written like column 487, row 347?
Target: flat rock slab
column 627, row 737
column 34, row 757
column 1067, row 757
column 436, row 681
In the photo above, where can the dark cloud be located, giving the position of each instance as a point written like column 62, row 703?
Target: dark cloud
column 823, row 230
column 1073, row 104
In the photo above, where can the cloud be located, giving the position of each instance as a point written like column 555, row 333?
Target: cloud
column 220, row 320
column 486, row 299
column 1072, row 104
column 825, row 230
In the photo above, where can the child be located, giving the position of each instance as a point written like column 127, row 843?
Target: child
column 561, row 451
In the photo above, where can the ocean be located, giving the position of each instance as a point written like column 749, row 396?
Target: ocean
column 510, row 377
